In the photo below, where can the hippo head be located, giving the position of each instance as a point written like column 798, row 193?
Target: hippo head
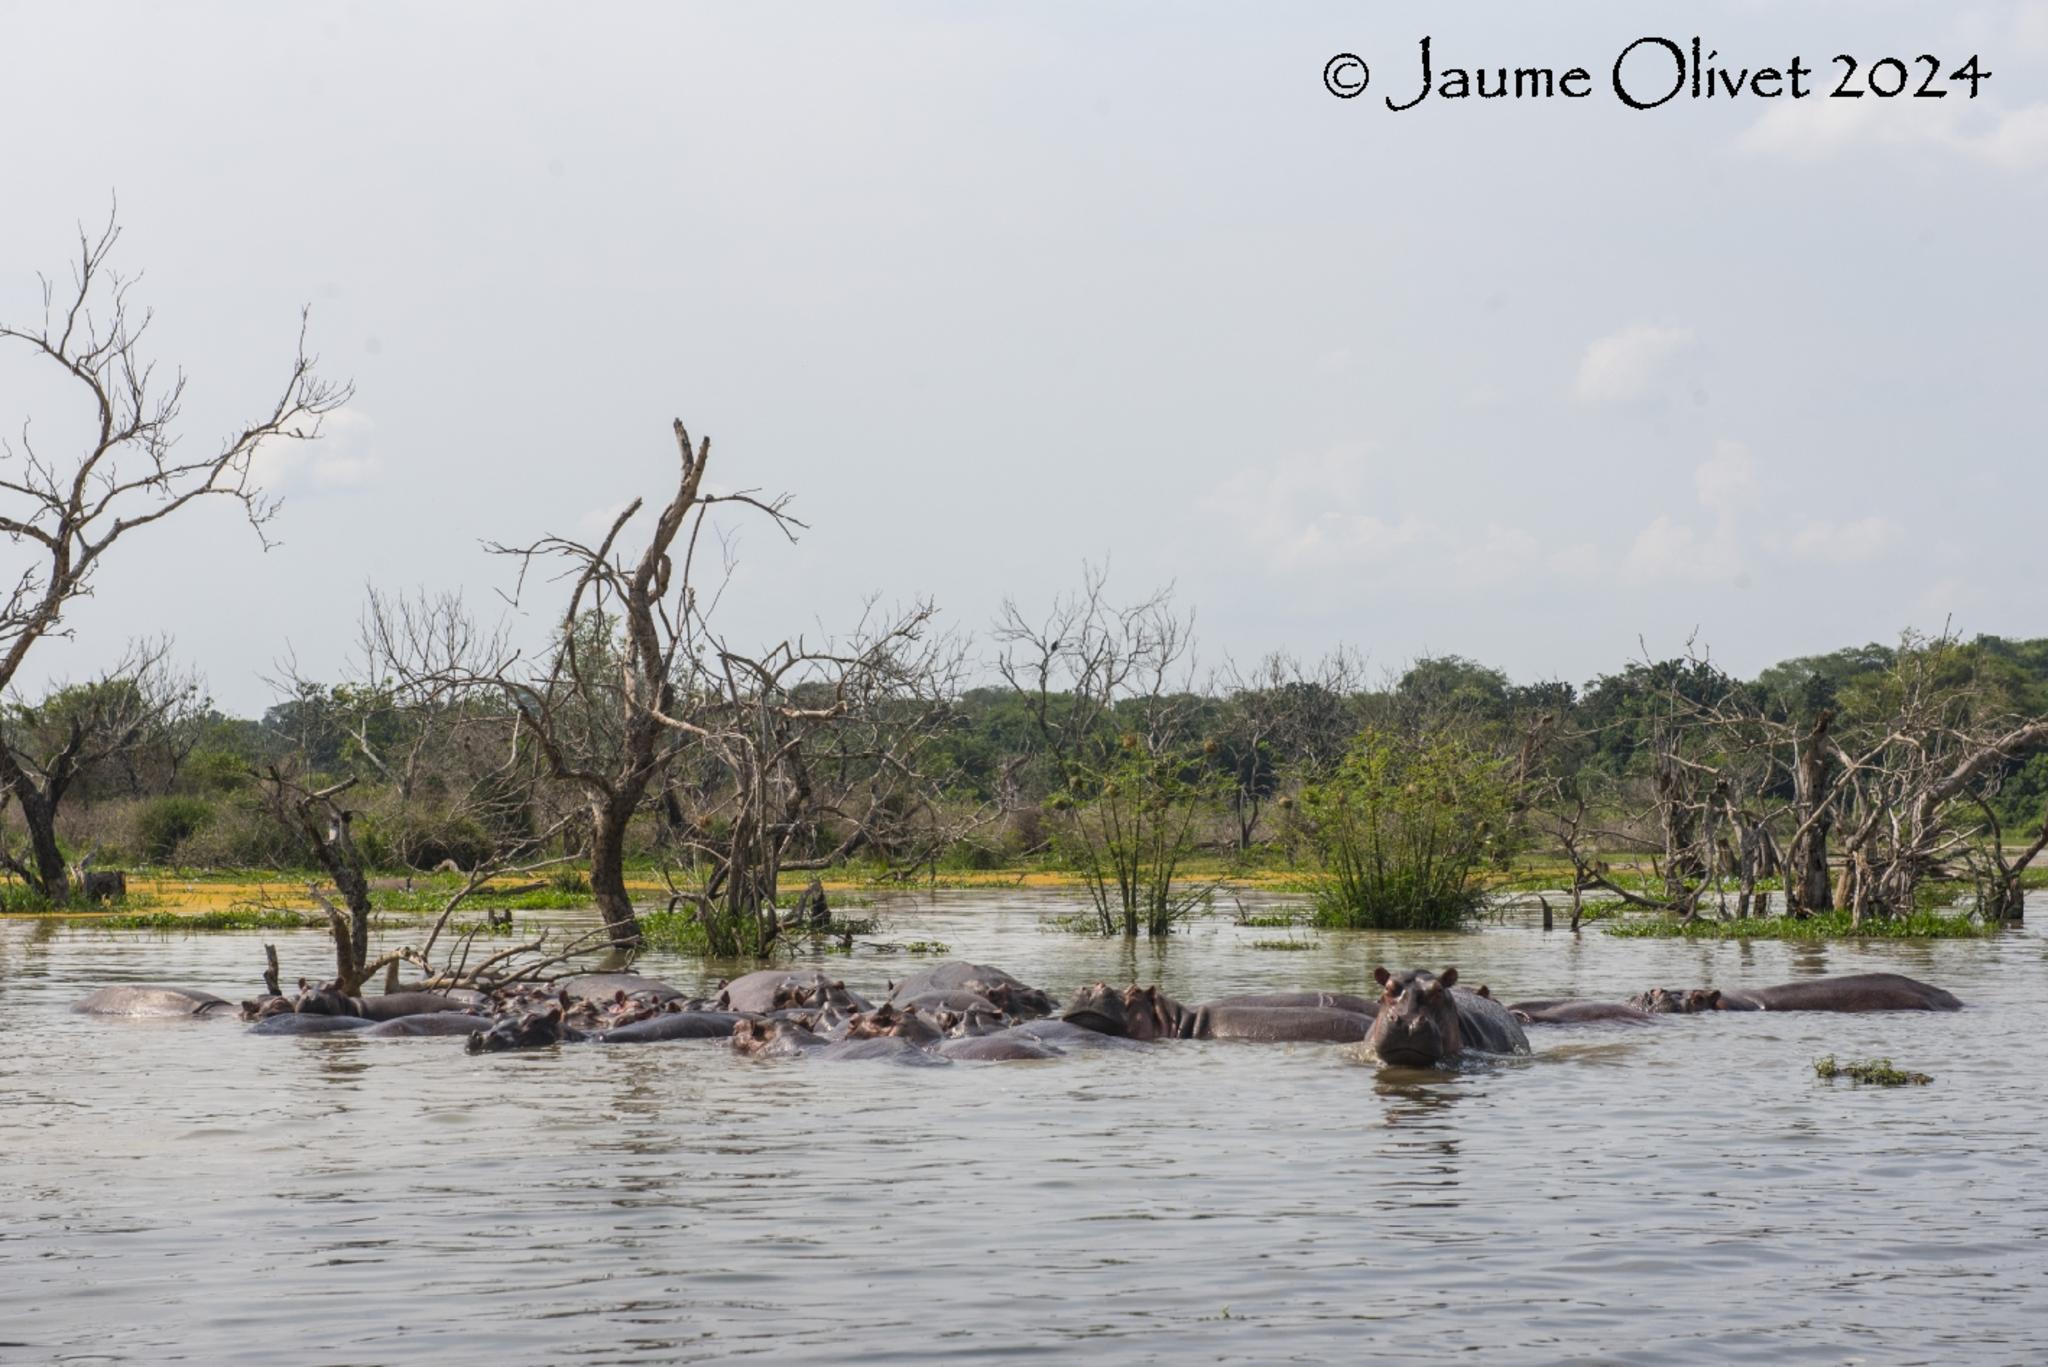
column 872, row 1024
column 1147, row 1015
column 266, row 1008
column 1665, row 1001
column 916, row 1028
column 531, row 1030
column 975, row 1020
column 1417, row 1026
column 326, row 1000
column 750, row 1037
column 1098, row 1007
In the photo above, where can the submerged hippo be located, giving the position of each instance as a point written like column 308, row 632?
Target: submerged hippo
column 885, row 1020
column 773, row 989
column 295, row 1024
column 673, row 1025
column 1009, row 995
column 330, row 1000
column 753, row 1038
column 1573, row 1011
column 1851, row 992
column 1001, row 1047
column 1426, row 1019
column 150, row 1001
column 1144, row 1013
column 426, row 1024
column 528, row 1030
column 880, row 1048
column 1342, row 1001
column 601, row 987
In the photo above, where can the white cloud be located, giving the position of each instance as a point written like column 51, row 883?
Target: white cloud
column 1668, row 549
column 1726, row 481
column 1810, row 130
column 1317, row 514
column 1846, row 543
column 343, row 457
column 1626, row 365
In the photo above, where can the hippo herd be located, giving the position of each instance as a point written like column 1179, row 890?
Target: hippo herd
column 960, row 1011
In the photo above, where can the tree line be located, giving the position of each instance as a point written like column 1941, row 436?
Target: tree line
column 1077, row 729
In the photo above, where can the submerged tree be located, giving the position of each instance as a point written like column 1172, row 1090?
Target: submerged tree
column 67, row 508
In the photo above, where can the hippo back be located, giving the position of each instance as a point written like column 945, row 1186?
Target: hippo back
column 1487, row 1026
column 1857, row 992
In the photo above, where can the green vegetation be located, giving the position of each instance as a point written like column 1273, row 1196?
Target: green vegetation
column 1286, row 944
column 234, row 918
column 1130, row 825
column 1877, row 1072
column 1403, row 826
column 1829, row 925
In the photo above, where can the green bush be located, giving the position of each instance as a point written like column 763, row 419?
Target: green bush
column 244, row 834
column 414, row 838
column 1403, row 827
column 165, row 823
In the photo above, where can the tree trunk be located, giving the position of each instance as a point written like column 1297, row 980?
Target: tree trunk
column 1806, row 863
column 53, row 875
column 608, row 871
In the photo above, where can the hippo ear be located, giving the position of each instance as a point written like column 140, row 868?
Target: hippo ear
column 1449, row 977
column 554, row 1011
column 1485, row 991
column 1523, row 1016
column 1381, row 976
column 1714, row 998
column 303, row 984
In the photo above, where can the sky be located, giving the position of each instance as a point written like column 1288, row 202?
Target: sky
column 994, row 291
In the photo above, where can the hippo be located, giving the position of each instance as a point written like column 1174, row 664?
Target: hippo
column 1069, row 1036
column 295, row 1024
column 1003, row 1047
column 880, row 1048
column 1014, row 998
column 1665, row 1001
column 959, row 1001
column 1426, row 1020
column 330, row 1000
column 528, row 1030
column 1569, row 1011
column 885, row 1020
column 974, row 1021
column 774, row 988
column 752, row 1038
column 1855, row 992
column 263, row 1008
column 151, row 1001
column 673, row 1025
column 609, row 986
column 422, row 1025
column 1342, row 1001
column 1142, row 1013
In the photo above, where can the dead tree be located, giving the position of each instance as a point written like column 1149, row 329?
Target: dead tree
column 811, row 754
column 1272, row 722
column 2001, row 892
column 127, row 473
column 593, row 703
column 51, row 748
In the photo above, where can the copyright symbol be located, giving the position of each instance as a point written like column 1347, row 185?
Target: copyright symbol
column 1346, row 75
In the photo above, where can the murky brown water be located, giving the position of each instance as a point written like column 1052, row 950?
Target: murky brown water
column 174, row 1192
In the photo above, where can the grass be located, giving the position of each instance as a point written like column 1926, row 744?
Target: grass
column 234, row 918
column 1287, row 944
column 1876, row 1072
column 1833, row 925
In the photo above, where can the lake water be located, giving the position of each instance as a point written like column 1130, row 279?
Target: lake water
column 183, row 1192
